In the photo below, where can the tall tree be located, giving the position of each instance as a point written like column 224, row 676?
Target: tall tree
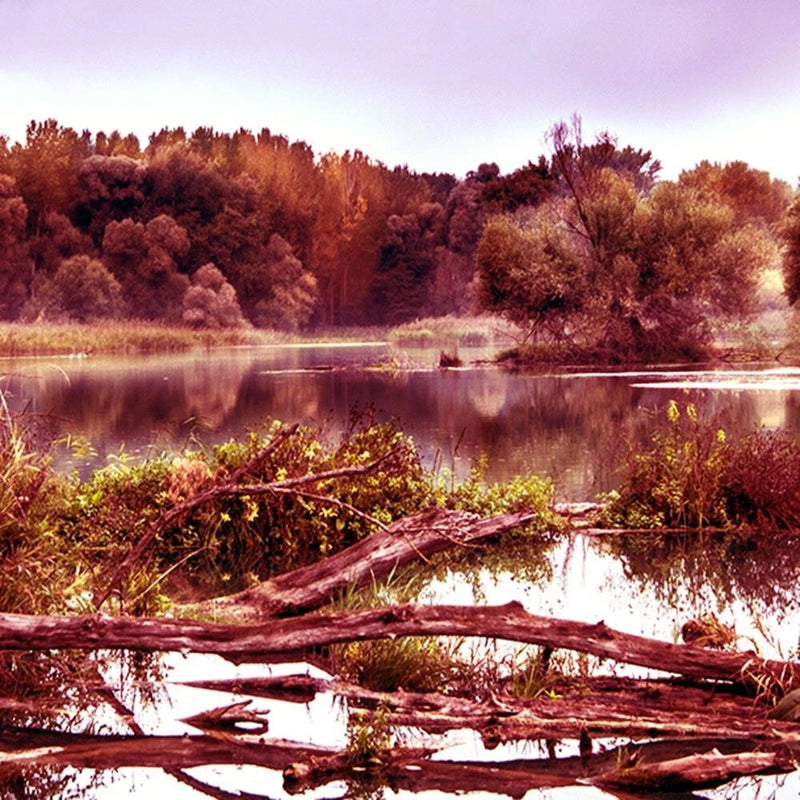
column 145, row 260
column 753, row 195
column 46, row 169
column 15, row 262
column 630, row 275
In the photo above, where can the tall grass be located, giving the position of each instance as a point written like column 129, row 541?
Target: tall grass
column 450, row 331
column 151, row 337
column 122, row 337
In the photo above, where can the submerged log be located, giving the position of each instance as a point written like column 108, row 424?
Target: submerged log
column 257, row 642
column 407, row 540
column 636, row 709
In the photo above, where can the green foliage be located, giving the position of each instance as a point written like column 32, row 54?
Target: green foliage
column 368, row 736
column 618, row 267
column 413, row 663
column 693, row 476
column 678, row 482
column 85, row 290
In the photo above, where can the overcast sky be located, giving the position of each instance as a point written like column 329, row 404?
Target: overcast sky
column 437, row 85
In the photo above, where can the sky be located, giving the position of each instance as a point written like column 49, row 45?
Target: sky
column 439, row 85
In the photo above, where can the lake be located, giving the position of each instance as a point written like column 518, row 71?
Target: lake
column 569, row 425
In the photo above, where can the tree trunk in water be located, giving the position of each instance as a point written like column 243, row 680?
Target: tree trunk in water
column 410, row 539
column 257, row 642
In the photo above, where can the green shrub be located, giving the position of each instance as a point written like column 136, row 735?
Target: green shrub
column 693, row 476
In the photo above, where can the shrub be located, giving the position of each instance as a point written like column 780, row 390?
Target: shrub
column 693, row 476
column 211, row 302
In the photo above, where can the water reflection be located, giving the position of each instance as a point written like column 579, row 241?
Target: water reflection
column 636, row 584
column 573, row 427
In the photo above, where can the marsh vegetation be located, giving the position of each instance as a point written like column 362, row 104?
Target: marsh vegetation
column 340, row 548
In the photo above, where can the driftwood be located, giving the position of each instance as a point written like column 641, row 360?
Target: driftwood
column 23, row 746
column 406, row 768
column 410, row 539
column 240, row 643
column 603, row 707
column 699, row 771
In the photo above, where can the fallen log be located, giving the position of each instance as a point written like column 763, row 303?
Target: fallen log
column 602, row 708
column 257, row 642
column 19, row 746
column 700, row 771
column 305, row 766
column 407, row 540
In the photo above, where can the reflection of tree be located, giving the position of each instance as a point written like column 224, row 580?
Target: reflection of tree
column 574, row 429
column 210, row 395
column 758, row 570
column 489, row 396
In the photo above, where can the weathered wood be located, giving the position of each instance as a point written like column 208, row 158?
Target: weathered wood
column 599, row 706
column 240, row 643
column 700, row 771
column 306, row 766
column 408, row 540
column 234, row 718
column 20, row 746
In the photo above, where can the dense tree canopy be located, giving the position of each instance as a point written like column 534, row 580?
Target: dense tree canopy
column 617, row 264
column 303, row 240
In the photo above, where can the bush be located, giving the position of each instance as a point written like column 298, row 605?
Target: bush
column 693, row 476
column 85, row 290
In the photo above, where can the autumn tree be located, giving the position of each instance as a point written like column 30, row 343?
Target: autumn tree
column 211, row 302
column 791, row 256
column 526, row 186
column 291, row 297
column 15, row 262
column 46, row 168
column 144, row 259
column 110, row 188
column 753, row 195
column 408, row 258
column 610, row 267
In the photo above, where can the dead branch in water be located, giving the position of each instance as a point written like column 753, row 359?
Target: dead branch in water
column 257, row 642
column 374, row 558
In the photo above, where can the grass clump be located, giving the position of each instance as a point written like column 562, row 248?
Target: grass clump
column 17, row 339
column 694, row 476
column 453, row 331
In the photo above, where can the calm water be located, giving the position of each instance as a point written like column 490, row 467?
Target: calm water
column 570, row 426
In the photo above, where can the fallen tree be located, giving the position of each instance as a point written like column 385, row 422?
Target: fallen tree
column 653, row 765
column 598, row 707
column 257, row 642
column 372, row 559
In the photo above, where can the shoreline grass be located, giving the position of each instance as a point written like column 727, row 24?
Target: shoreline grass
column 128, row 338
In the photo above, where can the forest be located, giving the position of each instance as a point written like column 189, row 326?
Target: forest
column 220, row 230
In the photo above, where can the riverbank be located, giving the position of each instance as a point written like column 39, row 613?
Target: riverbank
column 49, row 339
column 127, row 338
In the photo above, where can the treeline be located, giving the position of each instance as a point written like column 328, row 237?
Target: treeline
column 217, row 229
